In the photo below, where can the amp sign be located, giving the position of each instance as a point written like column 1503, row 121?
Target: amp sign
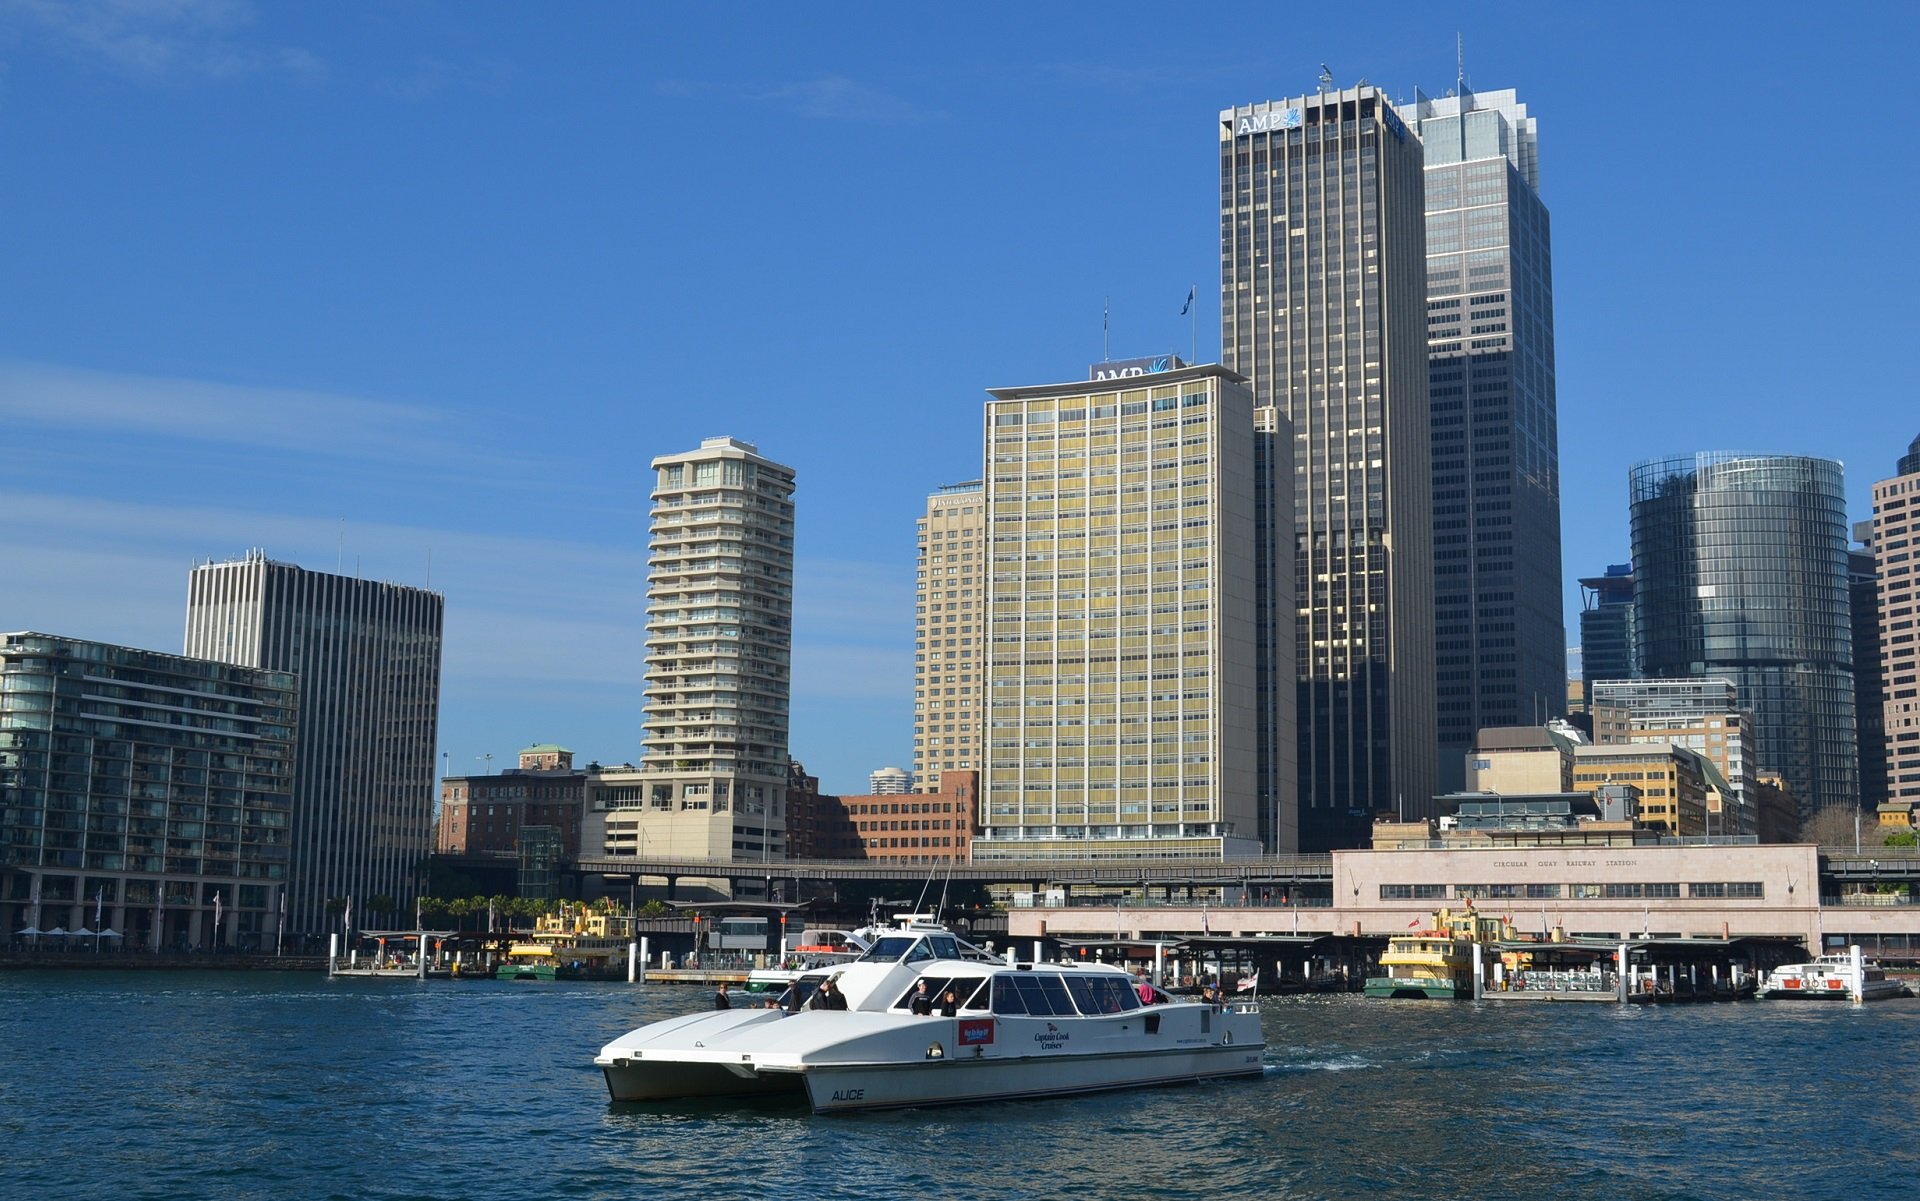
column 1270, row 120
column 1127, row 368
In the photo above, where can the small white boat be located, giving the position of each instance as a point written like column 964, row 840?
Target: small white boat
column 816, row 949
column 1831, row 977
column 1015, row 1030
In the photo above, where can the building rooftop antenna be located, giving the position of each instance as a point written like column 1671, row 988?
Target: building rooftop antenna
column 1460, row 69
column 1326, row 78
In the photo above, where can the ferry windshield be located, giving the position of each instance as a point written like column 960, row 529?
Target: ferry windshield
column 895, row 948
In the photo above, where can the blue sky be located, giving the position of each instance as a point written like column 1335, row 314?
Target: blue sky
column 421, row 287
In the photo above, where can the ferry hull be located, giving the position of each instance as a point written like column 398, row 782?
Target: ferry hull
column 1417, row 989
column 852, row 1061
column 960, row 1081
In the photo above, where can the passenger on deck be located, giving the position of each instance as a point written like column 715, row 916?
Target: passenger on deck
column 922, row 1001
column 949, row 1003
column 1143, row 986
column 829, row 997
column 720, row 998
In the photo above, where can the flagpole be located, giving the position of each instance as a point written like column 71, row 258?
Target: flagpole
column 1193, row 327
column 1106, row 329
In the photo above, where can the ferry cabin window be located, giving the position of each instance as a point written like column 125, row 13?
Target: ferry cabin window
column 1102, row 994
column 1031, row 993
column 945, row 948
column 964, row 988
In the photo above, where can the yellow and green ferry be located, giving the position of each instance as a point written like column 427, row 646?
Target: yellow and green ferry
column 1436, row 961
column 569, row 946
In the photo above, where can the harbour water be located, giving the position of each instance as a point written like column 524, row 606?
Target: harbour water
column 211, row 1085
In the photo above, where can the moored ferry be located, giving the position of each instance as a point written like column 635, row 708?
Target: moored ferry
column 568, row 945
column 1832, row 977
column 1435, row 961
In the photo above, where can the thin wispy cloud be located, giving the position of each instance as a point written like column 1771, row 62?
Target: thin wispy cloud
column 157, row 40
column 521, row 612
column 826, row 98
column 249, row 418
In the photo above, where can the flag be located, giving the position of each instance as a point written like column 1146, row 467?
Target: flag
column 1205, row 926
column 1247, row 985
column 1191, row 292
column 216, row 915
column 347, row 921
column 99, row 899
column 1414, row 924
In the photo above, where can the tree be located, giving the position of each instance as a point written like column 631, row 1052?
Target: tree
column 1835, row 826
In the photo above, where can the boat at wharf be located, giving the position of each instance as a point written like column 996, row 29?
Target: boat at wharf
column 1844, row 976
column 1436, row 961
column 568, row 945
column 1008, row 1030
column 817, row 949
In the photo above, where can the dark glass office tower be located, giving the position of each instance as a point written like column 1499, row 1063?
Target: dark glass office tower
column 1499, row 640
column 1607, row 645
column 1869, row 680
column 1740, row 570
column 1323, row 308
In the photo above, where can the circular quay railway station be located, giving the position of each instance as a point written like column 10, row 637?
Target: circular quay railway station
column 1309, row 921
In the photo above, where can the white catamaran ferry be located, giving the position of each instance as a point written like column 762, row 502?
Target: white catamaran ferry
column 997, row 1029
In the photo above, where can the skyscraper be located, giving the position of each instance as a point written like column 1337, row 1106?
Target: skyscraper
column 366, row 657
column 1869, row 677
column 950, row 634
column 1608, row 650
column 714, row 771
column 1122, row 711
column 1323, row 308
column 1740, row 571
column 1498, row 631
column 1896, row 531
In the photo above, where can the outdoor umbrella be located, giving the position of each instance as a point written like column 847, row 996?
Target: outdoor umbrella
column 109, row 932
column 30, row 932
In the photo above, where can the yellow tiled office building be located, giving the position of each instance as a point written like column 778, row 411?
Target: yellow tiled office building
column 1122, row 716
column 1672, row 781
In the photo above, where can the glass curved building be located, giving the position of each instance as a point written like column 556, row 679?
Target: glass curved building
column 1740, row 570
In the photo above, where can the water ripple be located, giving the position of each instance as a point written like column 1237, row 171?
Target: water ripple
column 137, row 1086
